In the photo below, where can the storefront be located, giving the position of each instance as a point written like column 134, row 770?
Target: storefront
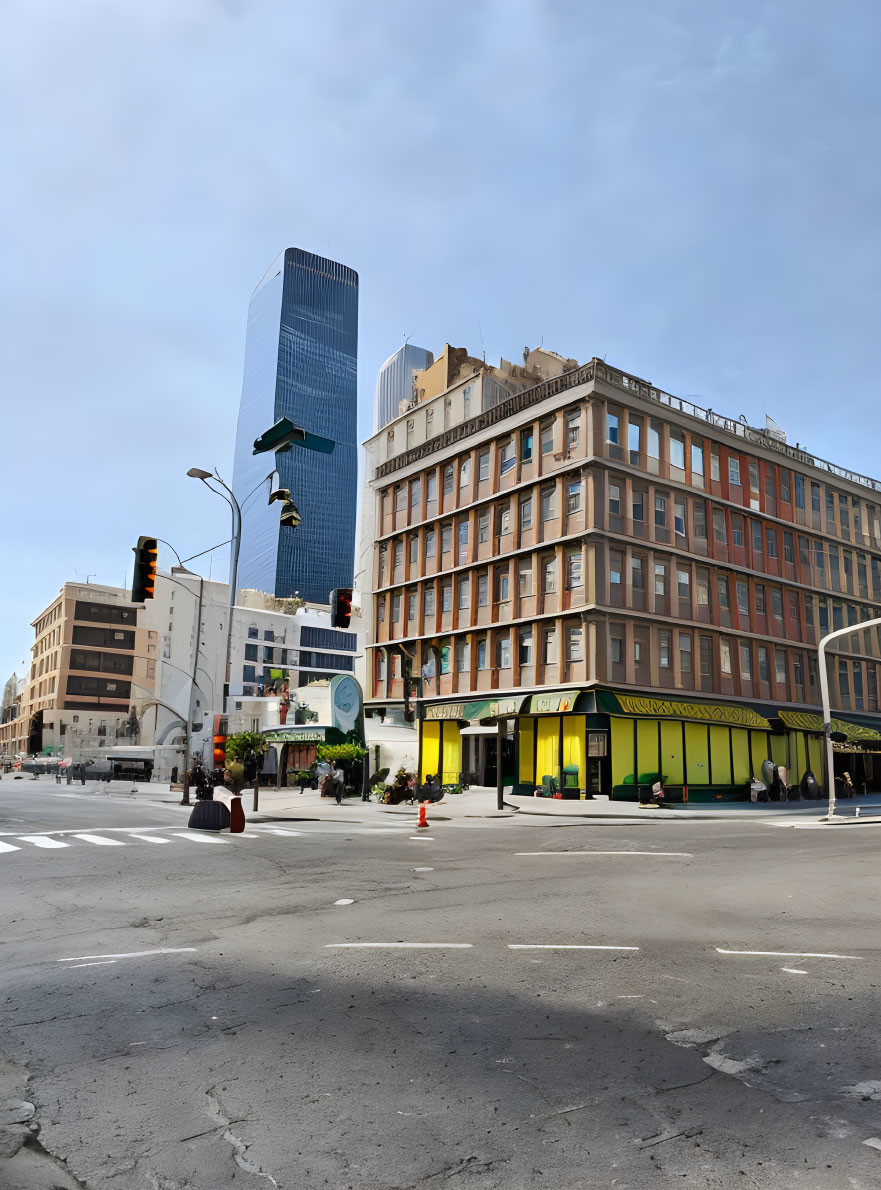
column 296, row 749
column 585, row 742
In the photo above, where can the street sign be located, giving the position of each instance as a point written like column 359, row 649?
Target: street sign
column 285, row 434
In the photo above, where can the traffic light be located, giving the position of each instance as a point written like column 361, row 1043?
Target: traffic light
column 412, row 691
column 290, row 514
column 341, row 607
column 144, row 577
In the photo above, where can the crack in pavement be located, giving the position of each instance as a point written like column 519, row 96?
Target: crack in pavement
column 239, row 1146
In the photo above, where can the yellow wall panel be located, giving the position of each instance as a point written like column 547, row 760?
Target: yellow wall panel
column 647, row 748
column 742, row 762
column 815, row 757
column 574, row 727
column 547, row 758
column 526, row 736
column 720, row 755
column 452, row 758
column 622, row 751
column 761, row 752
column 780, row 751
column 430, row 749
column 671, row 752
column 697, row 754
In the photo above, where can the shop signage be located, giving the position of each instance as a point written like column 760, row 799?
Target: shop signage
column 296, row 735
column 673, row 708
column 804, row 721
column 484, row 709
column 450, row 710
column 542, row 703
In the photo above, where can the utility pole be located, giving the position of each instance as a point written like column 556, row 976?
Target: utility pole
column 824, row 695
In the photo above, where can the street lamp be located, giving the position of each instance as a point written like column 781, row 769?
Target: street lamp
column 824, row 695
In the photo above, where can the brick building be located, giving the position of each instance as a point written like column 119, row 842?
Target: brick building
column 636, row 584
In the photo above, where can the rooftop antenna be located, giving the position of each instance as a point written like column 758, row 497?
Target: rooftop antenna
column 482, row 347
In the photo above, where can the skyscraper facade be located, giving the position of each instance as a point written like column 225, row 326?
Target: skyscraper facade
column 394, row 382
column 301, row 355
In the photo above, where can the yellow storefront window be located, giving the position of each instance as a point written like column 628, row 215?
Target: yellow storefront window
column 622, row 751
column 574, row 728
column 815, row 758
column 671, row 752
column 430, row 749
column 697, row 754
column 547, row 759
column 452, row 758
column 526, row 738
column 780, row 751
column 720, row 755
column 761, row 751
column 740, row 750
column 647, row 748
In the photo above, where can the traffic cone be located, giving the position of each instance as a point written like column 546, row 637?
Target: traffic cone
column 422, row 819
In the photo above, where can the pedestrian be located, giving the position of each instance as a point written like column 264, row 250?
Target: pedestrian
column 339, row 784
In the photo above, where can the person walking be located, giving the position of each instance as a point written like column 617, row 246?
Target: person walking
column 339, row 784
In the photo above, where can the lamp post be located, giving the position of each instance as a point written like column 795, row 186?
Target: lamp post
column 824, row 696
column 236, row 541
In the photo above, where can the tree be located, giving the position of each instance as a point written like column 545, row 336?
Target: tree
column 249, row 748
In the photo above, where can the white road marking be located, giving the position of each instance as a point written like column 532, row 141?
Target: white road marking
column 423, row 838
column 422, row 869
column 790, row 954
column 150, row 839
column 344, row 901
column 399, row 945
column 130, row 954
column 100, row 840
column 554, row 946
column 42, row 841
column 275, row 830
column 103, row 963
column 194, row 837
column 873, row 1142
column 8, row 847
column 793, row 971
column 679, row 854
column 246, row 835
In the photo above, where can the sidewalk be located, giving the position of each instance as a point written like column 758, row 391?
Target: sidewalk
column 480, row 802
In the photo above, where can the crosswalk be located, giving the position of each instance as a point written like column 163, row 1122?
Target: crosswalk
column 55, row 841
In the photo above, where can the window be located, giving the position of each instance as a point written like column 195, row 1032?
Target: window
column 757, row 538
column 411, row 605
column 446, row 597
column 788, row 548
column 815, row 503
column 444, row 656
column 614, row 499
column 503, row 520
column 703, row 587
column 396, row 608
column 525, row 646
column 634, row 434
column 465, row 473
column 637, row 652
column 683, row 584
column 684, row 653
column 398, row 555
column 724, row 596
column 400, row 498
column 547, row 438
column 429, row 600
column 526, row 446
column 481, row 653
column 742, row 591
column 760, row 599
column 524, row 577
column 549, row 576
column 799, row 490
column 734, row 471
column 415, row 493
column 463, row 594
column 508, row 456
column 503, row 652
column 463, row 535
column 697, row 462
column 548, row 510
column 446, row 537
column 483, row 466
column 414, row 549
column 772, row 542
column 777, row 604
column 653, row 448
column 431, row 486
column 679, row 516
column 660, row 579
column 736, row 529
column 429, row 543
column 574, row 650
column 380, row 615
column 573, row 496
column 785, row 493
column 664, row 644
column 677, row 450
column 502, row 586
column 660, row 512
column 638, row 511
column 745, row 662
column 449, row 477
column 719, row 531
column 612, row 428
column 764, row 668
column 573, row 419
column 549, row 646
column 461, row 655
column 616, row 564
column 429, row 422
column 725, row 656
column 780, row 668
column 699, row 513
column 482, row 589
column 616, row 650
column 525, row 512
column 483, row 525
column 573, row 570
column 637, row 574
column 252, row 634
column 715, row 472
column 250, row 652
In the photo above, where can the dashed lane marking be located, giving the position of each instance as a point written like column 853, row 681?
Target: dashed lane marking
column 101, row 840
column 196, row 837
column 129, row 954
column 563, row 946
column 677, row 854
column 789, row 954
column 149, row 839
column 42, row 841
column 399, row 946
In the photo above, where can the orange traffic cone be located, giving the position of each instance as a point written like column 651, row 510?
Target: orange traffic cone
column 422, row 820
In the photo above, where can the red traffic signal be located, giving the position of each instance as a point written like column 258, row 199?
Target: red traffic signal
column 144, row 578
column 341, row 607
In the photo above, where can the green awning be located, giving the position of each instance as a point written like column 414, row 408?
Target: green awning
column 805, row 721
column 730, row 715
column 296, row 735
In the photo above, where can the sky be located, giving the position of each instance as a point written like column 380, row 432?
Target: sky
column 688, row 188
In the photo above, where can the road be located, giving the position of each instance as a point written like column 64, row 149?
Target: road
column 349, row 1006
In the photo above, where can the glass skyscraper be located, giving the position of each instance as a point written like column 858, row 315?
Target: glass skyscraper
column 301, row 355
column 394, row 382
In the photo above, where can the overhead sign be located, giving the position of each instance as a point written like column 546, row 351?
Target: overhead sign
column 674, row 708
column 557, row 701
column 296, row 735
column 804, row 721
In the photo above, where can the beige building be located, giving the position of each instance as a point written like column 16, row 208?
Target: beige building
column 89, row 661
column 634, row 585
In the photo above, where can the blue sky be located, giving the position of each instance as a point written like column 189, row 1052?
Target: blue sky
column 688, row 188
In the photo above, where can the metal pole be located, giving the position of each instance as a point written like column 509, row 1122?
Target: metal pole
column 502, row 732
column 824, row 696
column 185, row 799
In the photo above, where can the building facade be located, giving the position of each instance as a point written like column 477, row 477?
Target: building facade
column 91, row 657
column 394, row 382
column 301, row 357
column 634, row 585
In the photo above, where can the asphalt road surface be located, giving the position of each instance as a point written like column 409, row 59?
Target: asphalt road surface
column 489, row 1004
